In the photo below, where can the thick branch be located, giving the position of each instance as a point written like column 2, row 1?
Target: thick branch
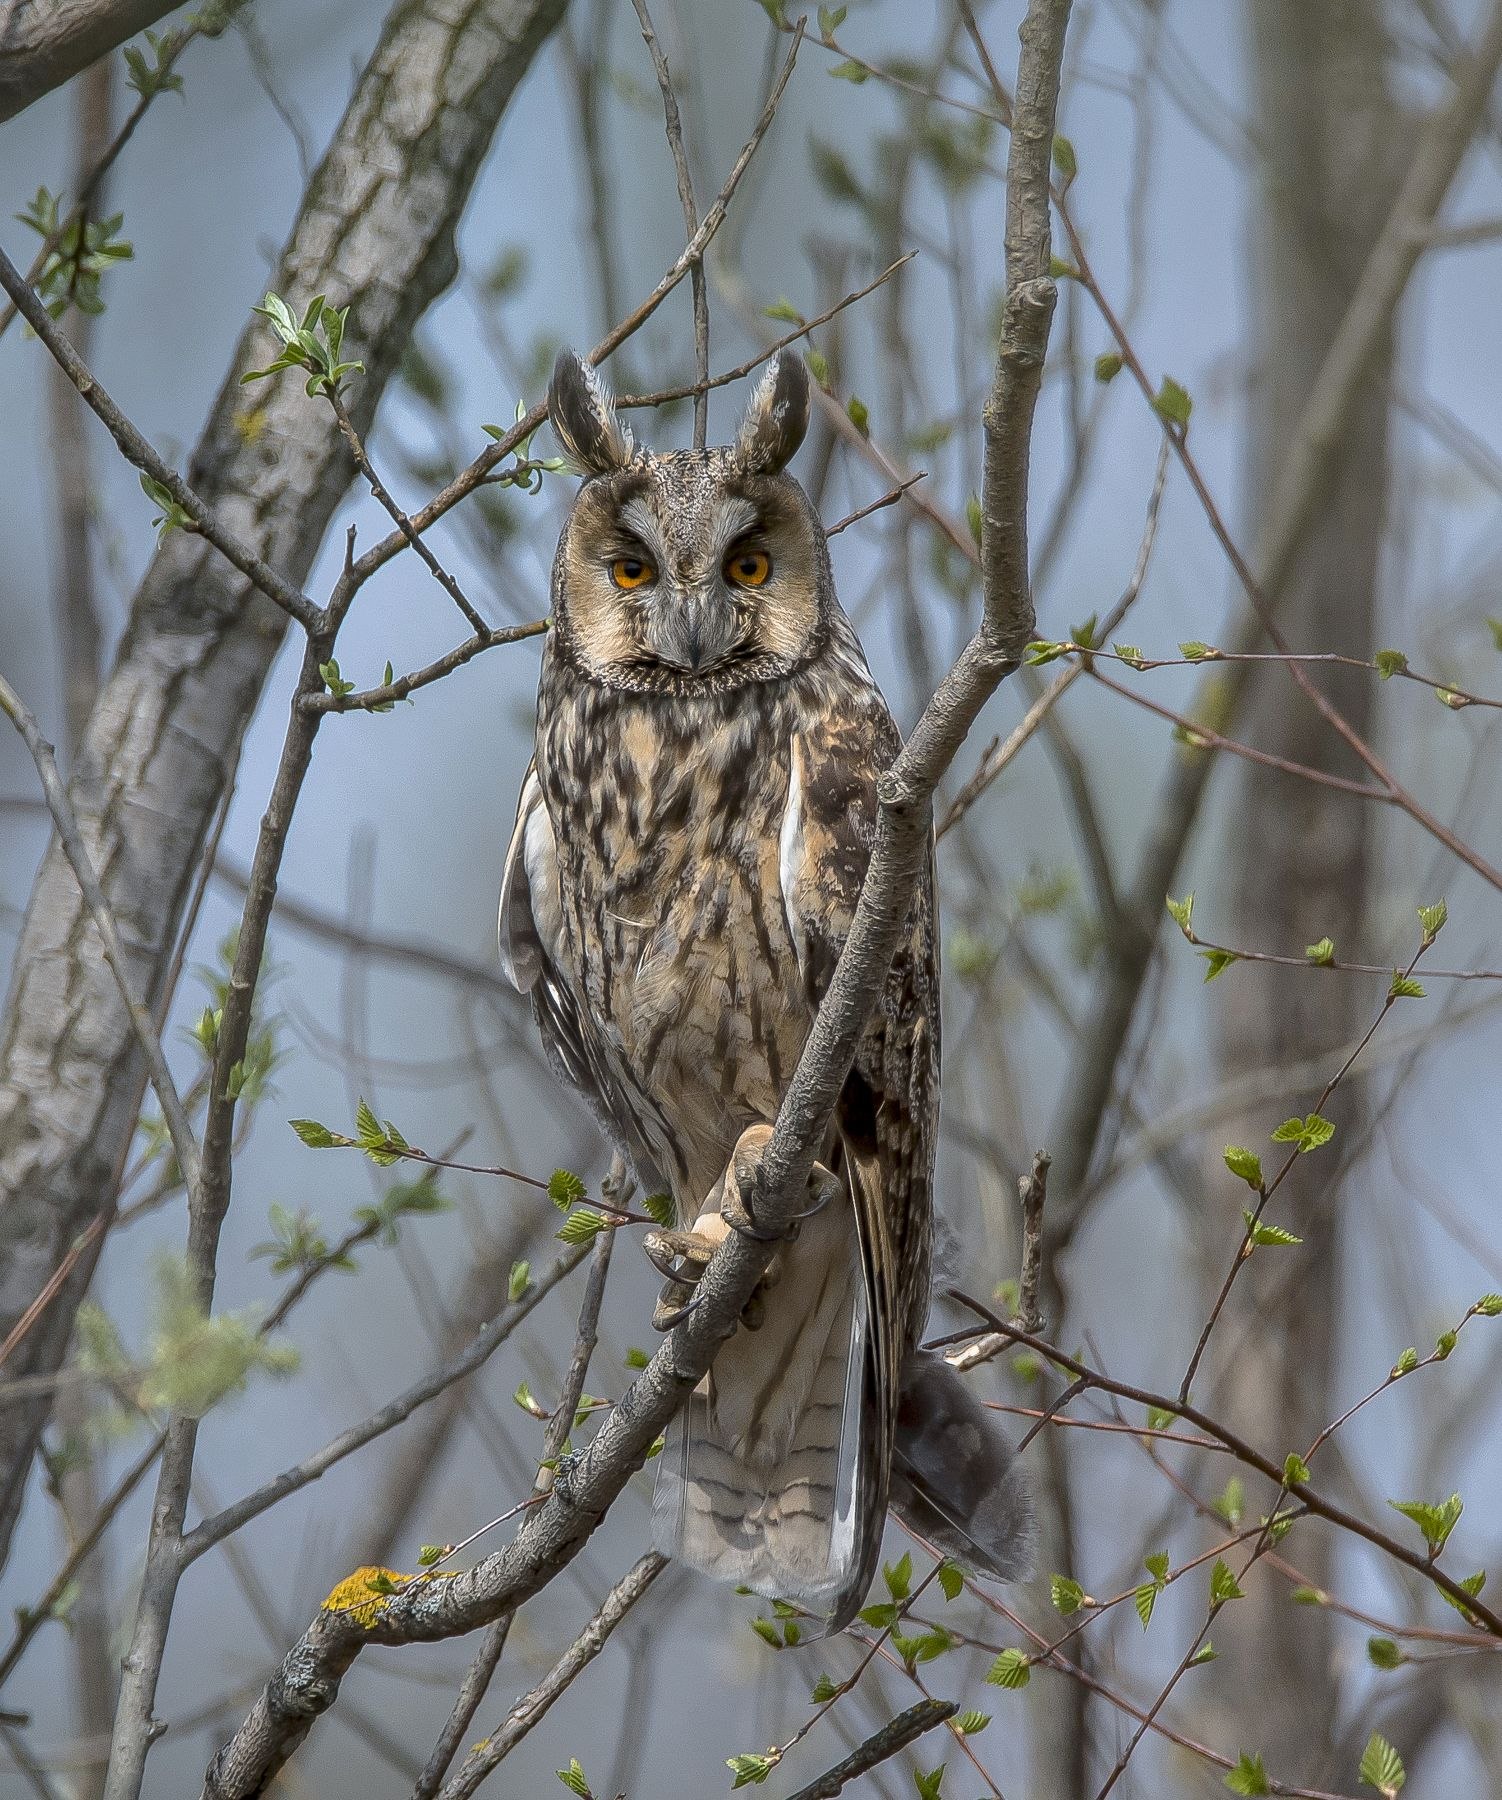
column 45, row 42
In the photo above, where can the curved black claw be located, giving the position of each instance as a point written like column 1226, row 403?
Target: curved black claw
column 668, row 1313
column 823, row 1186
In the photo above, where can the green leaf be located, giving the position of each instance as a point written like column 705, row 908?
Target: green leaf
column 750, row 1771
column 1244, row 1163
column 859, row 415
column 564, row 1188
column 1436, row 1519
column 951, row 1580
column 976, row 520
column 1107, row 365
column 1473, row 1585
column 662, row 1209
column 519, row 1280
column 899, row 1576
column 636, row 1359
column 1309, row 1134
column 1067, row 1594
column 818, row 366
column 1404, row 987
column 1295, row 1469
column 573, row 1779
column 1261, row 1233
column 1321, row 954
column 1159, row 1418
column 1157, row 1566
column 1390, row 663
column 581, row 1226
column 430, row 1554
column 1172, row 402
column 1488, row 1306
column 1064, row 158
column 1495, row 627
column 783, row 310
column 314, row 1135
column 1145, row 1598
column 1432, row 919
column 1192, row 650
column 1309, row 1596
column 1181, row 911
column 1383, row 1653
column 1249, row 1776
column 767, row 1632
column 525, row 1399
column 973, row 1723
column 1443, row 1345
column 1217, row 962
column 1232, row 1502
column 929, row 1785
column 824, row 1691
column 881, row 1615
column 850, row 71
column 1040, row 651
column 831, row 18
column 1223, row 1584
column 1381, row 1767
column 1010, row 1670
column 1130, row 655
column 1205, row 1654
column 1406, row 1363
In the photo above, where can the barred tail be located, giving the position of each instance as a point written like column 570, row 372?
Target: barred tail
column 769, row 1474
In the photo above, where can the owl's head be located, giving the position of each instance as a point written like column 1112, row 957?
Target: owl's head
column 695, row 567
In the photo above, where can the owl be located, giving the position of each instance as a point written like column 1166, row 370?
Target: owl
column 689, row 848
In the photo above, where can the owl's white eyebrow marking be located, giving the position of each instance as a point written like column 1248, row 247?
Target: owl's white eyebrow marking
column 734, row 519
column 637, row 517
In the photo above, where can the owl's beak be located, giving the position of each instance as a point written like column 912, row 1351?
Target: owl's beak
column 698, row 629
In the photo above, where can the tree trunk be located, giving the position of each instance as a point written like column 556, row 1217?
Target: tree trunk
column 1322, row 97
column 376, row 232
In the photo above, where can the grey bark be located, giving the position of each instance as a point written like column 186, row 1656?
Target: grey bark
column 375, row 231
column 45, row 42
column 1326, row 181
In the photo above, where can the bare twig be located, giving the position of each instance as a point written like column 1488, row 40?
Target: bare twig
column 690, row 219
column 894, row 1736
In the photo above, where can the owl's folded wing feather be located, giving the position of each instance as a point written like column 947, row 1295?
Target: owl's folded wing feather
column 886, row 1113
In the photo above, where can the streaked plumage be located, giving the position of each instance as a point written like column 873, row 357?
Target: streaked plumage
column 689, row 848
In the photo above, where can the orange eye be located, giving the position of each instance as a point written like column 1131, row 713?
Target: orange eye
column 749, row 568
column 631, row 572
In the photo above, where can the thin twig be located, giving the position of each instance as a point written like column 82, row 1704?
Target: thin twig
column 893, row 1737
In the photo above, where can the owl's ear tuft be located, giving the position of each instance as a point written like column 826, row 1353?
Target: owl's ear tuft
column 777, row 417
column 584, row 418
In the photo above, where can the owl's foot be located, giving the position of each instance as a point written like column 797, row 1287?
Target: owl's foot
column 683, row 1256
column 823, row 1186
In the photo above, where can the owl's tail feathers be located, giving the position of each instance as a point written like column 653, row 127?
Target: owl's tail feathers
column 955, row 1478
column 761, row 1482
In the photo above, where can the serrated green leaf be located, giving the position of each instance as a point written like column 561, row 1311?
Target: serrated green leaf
column 1295, row 1469
column 1404, row 987
column 1010, row 1670
column 1244, row 1163
column 858, row 414
column 1383, row 1653
column 973, row 1723
column 1217, row 962
column 1064, row 158
column 1067, row 1594
column 1436, row 1519
column 1205, row 1654
column 1259, row 1232
column 573, row 1779
column 1488, row 1306
column 1130, row 655
column 1145, row 1598
column 1433, row 919
column 1406, row 1363
column 1181, row 911
column 899, row 1576
column 1443, row 1345
column 879, row 1615
column 314, row 1135
column 1249, row 1776
column 1321, row 954
column 824, row 1691
column 1473, row 1585
column 635, row 1358
column 661, row 1209
column 1194, row 651
column 1309, row 1596
column 783, row 310
column 1308, row 1134
column 1223, row 1584
column 564, row 1188
column 1157, row 1566
column 750, row 1771
column 929, row 1785
column 951, row 1580
column 850, row 71
column 1390, row 663
column 767, row 1632
column 1381, row 1767
column 582, row 1226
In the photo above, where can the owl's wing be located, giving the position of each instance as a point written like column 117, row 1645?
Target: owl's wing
column 887, row 1113
column 520, row 944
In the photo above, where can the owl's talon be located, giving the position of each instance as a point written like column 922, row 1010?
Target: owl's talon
column 823, row 1186
column 668, row 1313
